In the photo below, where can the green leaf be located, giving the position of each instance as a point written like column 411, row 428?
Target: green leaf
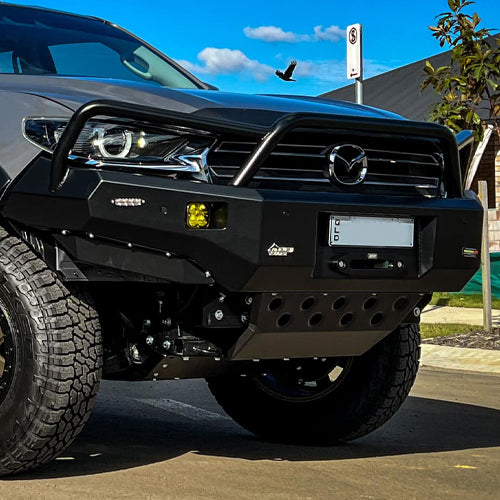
column 492, row 84
column 474, row 70
column 428, row 68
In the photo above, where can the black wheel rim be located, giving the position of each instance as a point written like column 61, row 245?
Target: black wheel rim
column 7, row 355
column 303, row 381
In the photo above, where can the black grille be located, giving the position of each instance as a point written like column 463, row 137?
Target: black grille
column 409, row 166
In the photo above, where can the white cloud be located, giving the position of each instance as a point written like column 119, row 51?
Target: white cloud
column 187, row 64
column 276, row 34
column 332, row 33
column 271, row 34
column 214, row 61
column 334, row 71
column 228, row 61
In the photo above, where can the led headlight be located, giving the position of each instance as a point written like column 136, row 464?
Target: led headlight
column 126, row 144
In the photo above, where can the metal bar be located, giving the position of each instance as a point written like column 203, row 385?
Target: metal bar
column 315, row 120
column 269, row 138
column 117, row 109
column 485, row 259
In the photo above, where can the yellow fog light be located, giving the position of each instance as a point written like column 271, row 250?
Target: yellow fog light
column 197, row 215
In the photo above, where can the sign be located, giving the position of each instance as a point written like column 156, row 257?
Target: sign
column 354, row 51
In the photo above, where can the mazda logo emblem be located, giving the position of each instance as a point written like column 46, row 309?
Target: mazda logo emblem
column 348, row 165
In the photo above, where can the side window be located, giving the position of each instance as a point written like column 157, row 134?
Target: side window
column 6, row 62
column 92, row 59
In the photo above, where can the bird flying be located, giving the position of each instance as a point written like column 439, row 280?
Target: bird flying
column 287, row 74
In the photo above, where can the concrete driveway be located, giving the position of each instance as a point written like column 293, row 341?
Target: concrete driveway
column 443, row 444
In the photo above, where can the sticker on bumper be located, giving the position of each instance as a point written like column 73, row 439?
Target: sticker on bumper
column 276, row 251
column 472, row 253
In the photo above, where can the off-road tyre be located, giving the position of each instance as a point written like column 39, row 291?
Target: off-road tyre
column 51, row 345
column 370, row 390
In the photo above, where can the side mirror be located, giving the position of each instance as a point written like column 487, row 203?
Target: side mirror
column 465, row 142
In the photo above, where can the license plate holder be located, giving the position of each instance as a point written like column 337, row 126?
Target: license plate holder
column 371, row 231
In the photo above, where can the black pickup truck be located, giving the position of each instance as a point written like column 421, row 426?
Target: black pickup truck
column 153, row 227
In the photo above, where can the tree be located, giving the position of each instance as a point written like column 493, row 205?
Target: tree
column 471, row 81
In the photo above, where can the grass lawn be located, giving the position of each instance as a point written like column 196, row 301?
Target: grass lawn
column 461, row 300
column 430, row 330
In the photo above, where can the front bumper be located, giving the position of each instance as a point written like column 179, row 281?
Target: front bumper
column 238, row 257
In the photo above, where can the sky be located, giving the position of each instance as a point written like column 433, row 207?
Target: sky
column 237, row 45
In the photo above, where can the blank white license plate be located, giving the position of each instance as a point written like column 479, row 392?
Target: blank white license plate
column 357, row 231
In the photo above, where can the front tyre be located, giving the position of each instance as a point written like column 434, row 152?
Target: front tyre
column 326, row 400
column 50, row 359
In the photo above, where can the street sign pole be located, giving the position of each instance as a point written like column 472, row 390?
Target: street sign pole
column 358, row 90
column 354, row 35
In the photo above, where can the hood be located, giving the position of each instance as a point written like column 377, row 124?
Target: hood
column 256, row 109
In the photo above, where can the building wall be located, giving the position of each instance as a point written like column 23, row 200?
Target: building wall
column 490, row 172
column 494, row 229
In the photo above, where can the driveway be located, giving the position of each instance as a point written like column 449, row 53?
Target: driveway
column 170, row 440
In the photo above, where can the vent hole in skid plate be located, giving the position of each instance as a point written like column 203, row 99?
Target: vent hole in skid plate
column 275, row 304
column 346, row 319
column 401, row 304
column 307, row 303
column 339, row 304
column 315, row 319
column 284, row 320
column 369, row 303
column 376, row 319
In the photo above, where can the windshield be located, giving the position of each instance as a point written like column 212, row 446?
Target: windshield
column 38, row 42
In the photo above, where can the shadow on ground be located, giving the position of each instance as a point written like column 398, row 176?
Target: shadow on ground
column 128, row 434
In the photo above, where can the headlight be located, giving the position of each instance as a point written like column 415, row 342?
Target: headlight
column 123, row 144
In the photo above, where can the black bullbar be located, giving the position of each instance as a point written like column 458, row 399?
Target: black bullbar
column 272, row 240
column 267, row 138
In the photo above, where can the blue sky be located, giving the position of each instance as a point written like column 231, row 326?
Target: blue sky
column 237, row 45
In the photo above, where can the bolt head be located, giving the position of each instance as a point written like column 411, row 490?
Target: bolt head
column 416, row 312
column 219, row 314
column 248, row 300
column 134, row 351
column 167, row 345
column 399, row 264
column 341, row 264
column 150, row 340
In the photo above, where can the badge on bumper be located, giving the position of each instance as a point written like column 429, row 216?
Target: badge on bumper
column 276, row 251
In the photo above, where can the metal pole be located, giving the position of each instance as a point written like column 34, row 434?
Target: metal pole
column 485, row 259
column 358, row 90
